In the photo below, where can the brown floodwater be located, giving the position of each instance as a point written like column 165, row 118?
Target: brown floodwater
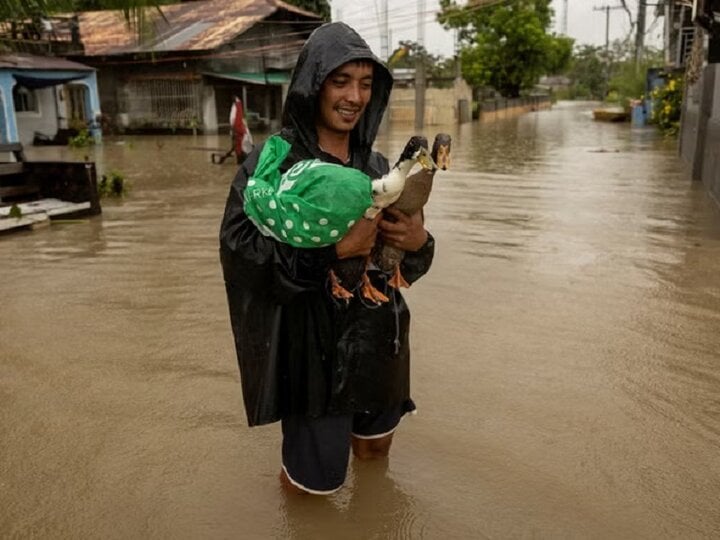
column 566, row 354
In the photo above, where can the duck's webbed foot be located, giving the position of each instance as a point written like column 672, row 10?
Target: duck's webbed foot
column 397, row 280
column 369, row 291
column 338, row 291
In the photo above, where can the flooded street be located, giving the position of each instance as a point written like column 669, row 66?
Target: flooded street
column 566, row 354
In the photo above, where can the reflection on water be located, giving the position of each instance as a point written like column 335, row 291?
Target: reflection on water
column 564, row 354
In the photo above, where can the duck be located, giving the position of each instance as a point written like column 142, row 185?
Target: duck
column 347, row 273
column 412, row 199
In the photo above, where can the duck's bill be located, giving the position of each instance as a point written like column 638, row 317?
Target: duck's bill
column 443, row 157
column 426, row 160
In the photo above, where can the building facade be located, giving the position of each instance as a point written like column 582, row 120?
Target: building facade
column 39, row 96
column 700, row 122
column 198, row 57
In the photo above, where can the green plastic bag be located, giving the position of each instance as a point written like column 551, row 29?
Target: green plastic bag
column 313, row 204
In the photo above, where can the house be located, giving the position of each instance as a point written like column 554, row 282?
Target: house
column 40, row 96
column 679, row 31
column 197, row 57
column 700, row 121
column 554, row 83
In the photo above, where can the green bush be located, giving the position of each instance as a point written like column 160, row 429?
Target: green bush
column 668, row 105
column 113, row 184
column 82, row 139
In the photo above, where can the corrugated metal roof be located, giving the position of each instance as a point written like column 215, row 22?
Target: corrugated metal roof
column 255, row 78
column 28, row 61
column 191, row 26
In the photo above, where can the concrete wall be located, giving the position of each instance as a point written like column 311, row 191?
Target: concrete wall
column 507, row 108
column 43, row 121
column 441, row 104
column 700, row 130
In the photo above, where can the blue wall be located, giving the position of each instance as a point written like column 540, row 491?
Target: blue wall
column 8, row 122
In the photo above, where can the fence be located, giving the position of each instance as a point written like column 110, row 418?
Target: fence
column 161, row 103
column 503, row 107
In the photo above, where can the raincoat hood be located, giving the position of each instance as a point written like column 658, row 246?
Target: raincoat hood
column 329, row 47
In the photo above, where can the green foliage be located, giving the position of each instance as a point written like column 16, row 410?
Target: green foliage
column 668, row 105
column 15, row 212
column 135, row 11
column 628, row 80
column 436, row 67
column 613, row 76
column 506, row 45
column 82, row 140
column 627, row 83
column 587, row 72
column 113, row 185
column 27, row 9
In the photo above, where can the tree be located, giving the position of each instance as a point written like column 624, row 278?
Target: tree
column 506, row 45
column 436, row 67
column 587, row 72
column 135, row 11
column 12, row 11
column 21, row 9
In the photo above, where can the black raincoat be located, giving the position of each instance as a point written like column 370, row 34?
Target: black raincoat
column 299, row 350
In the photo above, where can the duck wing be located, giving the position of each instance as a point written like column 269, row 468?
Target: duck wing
column 413, row 198
column 416, row 193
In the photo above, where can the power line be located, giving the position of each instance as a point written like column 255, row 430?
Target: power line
column 607, row 9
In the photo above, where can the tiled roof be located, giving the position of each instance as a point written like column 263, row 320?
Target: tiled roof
column 191, row 26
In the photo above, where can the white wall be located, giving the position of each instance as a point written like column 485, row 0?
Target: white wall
column 43, row 121
column 441, row 104
column 209, row 119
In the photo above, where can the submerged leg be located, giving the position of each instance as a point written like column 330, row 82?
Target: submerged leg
column 372, row 448
column 288, row 486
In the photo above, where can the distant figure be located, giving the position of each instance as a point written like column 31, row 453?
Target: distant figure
column 241, row 137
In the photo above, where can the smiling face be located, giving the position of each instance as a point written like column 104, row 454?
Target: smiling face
column 343, row 97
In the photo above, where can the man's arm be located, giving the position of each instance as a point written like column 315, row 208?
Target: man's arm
column 360, row 239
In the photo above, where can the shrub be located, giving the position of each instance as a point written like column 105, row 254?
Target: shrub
column 81, row 140
column 668, row 105
column 113, row 184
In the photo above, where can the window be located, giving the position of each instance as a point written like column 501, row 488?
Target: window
column 25, row 99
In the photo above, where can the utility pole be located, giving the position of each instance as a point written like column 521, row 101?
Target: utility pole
column 384, row 48
column 564, row 24
column 420, row 82
column 607, row 9
column 640, row 35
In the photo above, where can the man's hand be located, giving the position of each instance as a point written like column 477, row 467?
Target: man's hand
column 406, row 233
column 360, row 239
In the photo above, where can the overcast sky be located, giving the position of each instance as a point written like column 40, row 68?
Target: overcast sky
column 584, row 24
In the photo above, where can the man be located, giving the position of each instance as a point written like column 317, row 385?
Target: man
column 336, row 375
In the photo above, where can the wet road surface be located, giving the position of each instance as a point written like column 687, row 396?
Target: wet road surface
column 566, row 356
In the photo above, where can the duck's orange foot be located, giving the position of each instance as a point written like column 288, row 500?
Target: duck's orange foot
column 397, row 280
column 338, row 291
column 371, row 293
